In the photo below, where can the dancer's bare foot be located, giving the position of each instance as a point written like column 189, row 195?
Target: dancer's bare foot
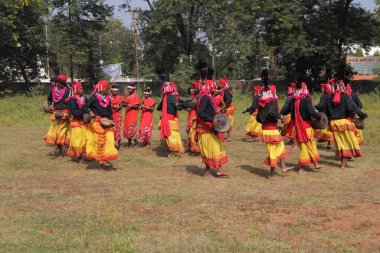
column 286, row 169
column 170, row 155
column 302, row 170
column 208, row 174
column 221, row 173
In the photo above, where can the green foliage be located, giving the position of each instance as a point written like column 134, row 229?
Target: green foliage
column 359, row 52
column 22, row 42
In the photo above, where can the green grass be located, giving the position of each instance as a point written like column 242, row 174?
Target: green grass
column 155, row 204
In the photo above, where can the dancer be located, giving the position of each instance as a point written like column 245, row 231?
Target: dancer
column 210, row 143
column 170, row 129
column 227, row 99
column 268, row 115
column 359, row 106
column 117, row 105
column 58, row 134
column 301, row 109
column 100, row 145
column 78, row 105
column 253, row 128
column 146, row 121
column 340, row 109
column 191, row 125
column 132, row 104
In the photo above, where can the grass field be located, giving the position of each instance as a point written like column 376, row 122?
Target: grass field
column 155, row 204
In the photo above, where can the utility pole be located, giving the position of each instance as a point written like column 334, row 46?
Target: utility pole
column 135, row 13
column 71, row 54
column 47, row 51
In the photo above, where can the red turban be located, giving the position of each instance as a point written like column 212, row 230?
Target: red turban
column 210, row 86
column 102, row 85
column 223, row 81
column 76, row 86
column 257, row 88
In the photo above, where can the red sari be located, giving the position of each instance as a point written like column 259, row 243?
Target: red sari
column 116, row 115
column 146, row 121
column 131, row 116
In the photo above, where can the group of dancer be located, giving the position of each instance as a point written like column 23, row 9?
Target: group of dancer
column 91, row 128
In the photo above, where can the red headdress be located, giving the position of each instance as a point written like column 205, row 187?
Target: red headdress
column 223, row 82
column 131, row 86
column 76, row 86
column 61, row 78
column 210, row 86
column 102, row 85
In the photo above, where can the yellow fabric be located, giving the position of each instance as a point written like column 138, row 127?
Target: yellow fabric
column 58, row 133
column 100, row 143
column 360, row 137
column 78, row 141
column 308, row 150
column 191, row 142
column 212, row 150
column 275, row 147
column 324, row 134
column 231, row 116
column 346, row 142
column 174, row 141
column 253, row 127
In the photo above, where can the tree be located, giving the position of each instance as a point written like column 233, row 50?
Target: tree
column 22, row 43
column 75, row 39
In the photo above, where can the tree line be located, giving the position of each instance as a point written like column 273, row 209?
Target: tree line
column 75, row 37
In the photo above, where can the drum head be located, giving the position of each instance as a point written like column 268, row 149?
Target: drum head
column 221, row 123
column 105, row 123
column 320, row 123
column 59, row 115
column 359, row 123
column 86, row 118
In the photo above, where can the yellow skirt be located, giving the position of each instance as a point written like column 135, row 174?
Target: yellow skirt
column 78, row 139
column 275, row 147
column 324, row 134
column 100, row 143
column 230, row 112
column 253, row 127
column 360, row 137
column 191, row 142
column 346, row 142
column 58, row 133
column 212, row 150
column 174, row 141
column 308, row 150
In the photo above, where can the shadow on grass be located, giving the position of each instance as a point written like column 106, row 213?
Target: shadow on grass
column 195, row 170
column 258, row 171
column 161, row 150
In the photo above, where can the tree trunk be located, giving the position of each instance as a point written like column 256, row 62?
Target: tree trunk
column 26, row 78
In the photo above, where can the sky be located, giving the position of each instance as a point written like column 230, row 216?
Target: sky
column 126, row 17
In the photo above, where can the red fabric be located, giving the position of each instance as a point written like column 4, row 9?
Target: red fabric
column 62, row 78
column 102, row 85
column 336, row 99
column 165, row 130
column 348, row 89
column 76, row 86
column 223, row 82
column 131, row 116
column 146, row 121
column 117, row 116
column 190, row 118
column 300, row 124
column 269, row 126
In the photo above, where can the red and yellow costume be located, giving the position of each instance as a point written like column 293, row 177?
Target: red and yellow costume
column 170, row 129
column 116, row 102
column 210, row 143
column 268, row 115
column 227, row 98
column 254, row 128
column 146, row 121
column 77, row 106
column 100, row 142
column 191, row 126
column 59, row 132
column 131, row 116
column 301, row 108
